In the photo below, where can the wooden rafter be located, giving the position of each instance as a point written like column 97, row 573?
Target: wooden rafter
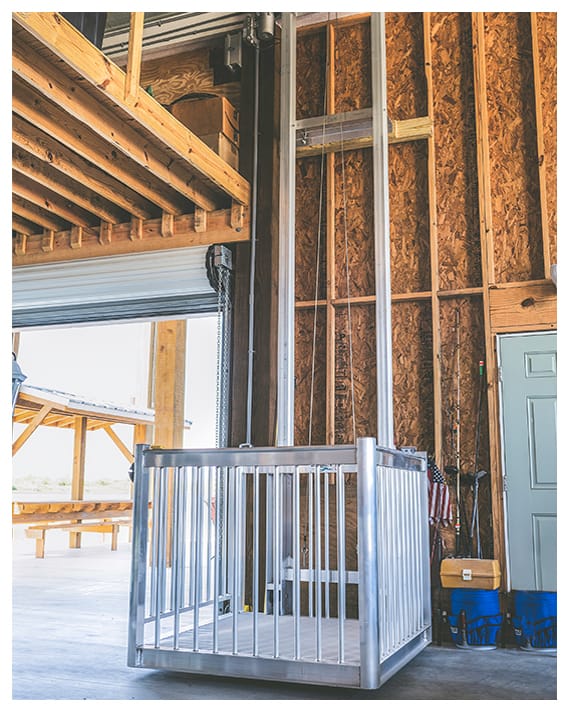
column 60, row 158
column 40, row 196
column 96, row 159
column 66, row 187
column 119, row 443
column 61, row 41
column 37, row 421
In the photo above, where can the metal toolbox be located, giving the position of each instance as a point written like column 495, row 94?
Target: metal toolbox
column 470, row 573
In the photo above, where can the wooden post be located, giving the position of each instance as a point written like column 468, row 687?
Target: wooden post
column 78, row 475
column 133, row 75
column 330, row 356
column 434, row 258
column 169, row 384
column 488, row 275
column 541, row 158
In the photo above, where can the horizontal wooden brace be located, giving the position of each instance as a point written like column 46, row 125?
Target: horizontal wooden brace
column 522, row 308
column 403, row 130
column 219, row 230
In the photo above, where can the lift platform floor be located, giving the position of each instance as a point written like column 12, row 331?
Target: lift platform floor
column 69, row 642
column 265, row 624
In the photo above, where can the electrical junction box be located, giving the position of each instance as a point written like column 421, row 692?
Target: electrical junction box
column 465, row 573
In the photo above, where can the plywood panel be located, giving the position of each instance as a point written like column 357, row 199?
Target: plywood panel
column 311, row 69
column 354, row 223
column 306, row 377
column 512, row 138
column 353, row 80
column 409, row 217
column 546, row 23
column 173, row 77
column 361, row 324
column 412, row 366
column 310, row 189
column 459, row 247
column 404, row 65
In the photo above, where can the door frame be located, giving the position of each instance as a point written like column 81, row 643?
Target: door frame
column 498, row 338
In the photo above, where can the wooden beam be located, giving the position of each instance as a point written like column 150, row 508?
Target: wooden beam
column 167, row 225
column 523, row 308
column 402, row 130
column 200, row 220
column 434, row 252
column 36, row 214
column 169, row 379
column 63, row 128
column 143, row 236
column 119, row 443
column 26, row 227
column 64, row 42
column 134, row 56
column 113, row 133
column 37, row 143
column 48, row 241
column 237, row 216
column 20, row 245
column 50, row 201
column 75, row 237
column 488, row 278
column 541, row 155
column 136, row 229
column 67, row 188
column 78, row 473
column 105, row 233
column 24, row 436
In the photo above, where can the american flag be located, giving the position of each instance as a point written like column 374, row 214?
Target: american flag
column 438, row 499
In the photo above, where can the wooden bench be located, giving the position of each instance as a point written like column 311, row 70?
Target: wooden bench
column 111, row 525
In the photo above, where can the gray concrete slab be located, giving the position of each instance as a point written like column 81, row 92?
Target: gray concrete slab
column 70, row 630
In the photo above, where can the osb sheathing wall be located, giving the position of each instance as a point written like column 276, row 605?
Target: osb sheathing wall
column 472, row 231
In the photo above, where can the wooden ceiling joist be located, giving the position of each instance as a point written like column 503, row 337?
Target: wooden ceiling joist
column 84, row 142
column 97, row 160
column 67, row 188
column 50, row 201
column 33, row 140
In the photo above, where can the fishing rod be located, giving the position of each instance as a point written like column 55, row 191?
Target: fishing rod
column 455, row 470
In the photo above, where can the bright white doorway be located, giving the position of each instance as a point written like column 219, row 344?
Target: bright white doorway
column 106, row 363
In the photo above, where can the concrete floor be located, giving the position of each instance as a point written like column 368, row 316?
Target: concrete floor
column 69, row 643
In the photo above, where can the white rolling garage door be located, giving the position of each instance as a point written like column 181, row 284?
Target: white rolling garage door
column 142, row 286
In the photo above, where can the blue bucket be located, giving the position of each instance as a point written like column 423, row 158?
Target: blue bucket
column 534, row 619
column 483, row 618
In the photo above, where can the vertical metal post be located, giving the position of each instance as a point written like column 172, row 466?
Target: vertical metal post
column 341, row 561
column 368, row 563
column 286, row 308
column 198, row 475
column 318, row 564
column 382, row 233
column 255, row 597
column 297, row 562
column 217, row 561
column 139, row 556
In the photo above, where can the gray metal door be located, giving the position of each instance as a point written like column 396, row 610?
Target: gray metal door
column 528, row 387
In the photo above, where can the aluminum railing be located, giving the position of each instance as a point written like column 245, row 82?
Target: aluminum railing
column 302, row 564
